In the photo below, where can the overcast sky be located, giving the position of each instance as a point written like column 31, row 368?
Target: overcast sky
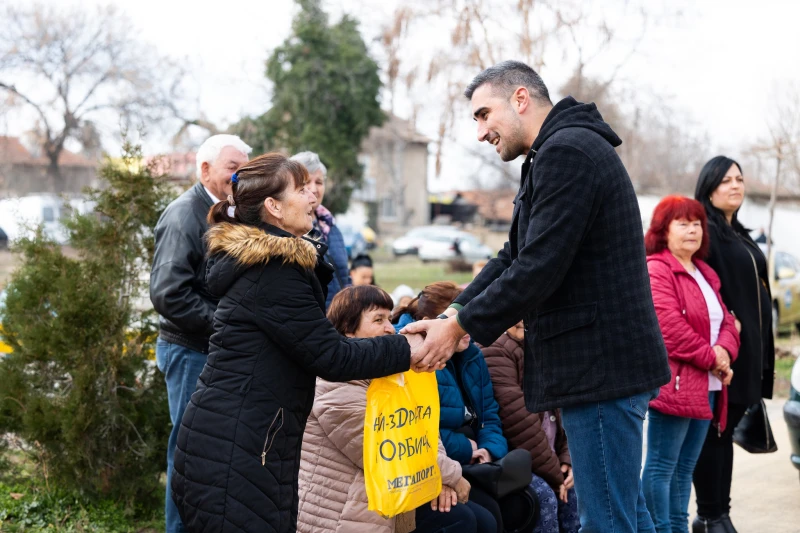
column 718, row 63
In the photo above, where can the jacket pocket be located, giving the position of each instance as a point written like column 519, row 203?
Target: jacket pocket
column 564, row 319
column 272, row 431
column 570, row 348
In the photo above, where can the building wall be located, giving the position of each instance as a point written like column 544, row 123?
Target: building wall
column 19, row 179
column 385, row 162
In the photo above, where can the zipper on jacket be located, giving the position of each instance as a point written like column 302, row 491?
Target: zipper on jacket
column 270, row 440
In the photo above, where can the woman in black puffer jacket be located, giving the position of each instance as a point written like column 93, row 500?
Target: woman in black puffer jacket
column 238, row 451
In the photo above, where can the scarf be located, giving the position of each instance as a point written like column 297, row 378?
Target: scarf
column 323, row 222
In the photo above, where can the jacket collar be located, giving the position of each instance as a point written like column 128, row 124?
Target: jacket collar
column 200, row 191
column 250, row 245
column 319, row 246
column 666, row 256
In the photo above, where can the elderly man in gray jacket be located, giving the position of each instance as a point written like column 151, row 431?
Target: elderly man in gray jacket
column 177, row 284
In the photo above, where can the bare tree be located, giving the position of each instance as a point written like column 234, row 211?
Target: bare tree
column 782, row 148
column 73, row 67
column 479, row 33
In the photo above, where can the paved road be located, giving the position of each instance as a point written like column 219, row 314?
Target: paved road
column 766, row 488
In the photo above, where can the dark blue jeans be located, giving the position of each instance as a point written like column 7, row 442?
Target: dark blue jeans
column 181, row 367
column 463, row 518
column 673, row 446
column 605, row 442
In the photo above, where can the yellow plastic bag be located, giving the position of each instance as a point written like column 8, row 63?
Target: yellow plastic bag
column 401, row 436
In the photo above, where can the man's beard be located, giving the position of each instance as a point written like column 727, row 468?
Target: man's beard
column 514, row 144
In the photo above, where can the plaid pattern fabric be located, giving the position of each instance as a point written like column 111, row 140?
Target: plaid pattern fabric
column 574, row 270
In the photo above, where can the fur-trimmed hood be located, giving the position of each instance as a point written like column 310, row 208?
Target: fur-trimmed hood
column 233, row 248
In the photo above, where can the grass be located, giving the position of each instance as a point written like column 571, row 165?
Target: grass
column 412, row 272
column 783, row 365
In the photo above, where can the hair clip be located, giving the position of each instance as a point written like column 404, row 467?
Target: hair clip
column 235, row 178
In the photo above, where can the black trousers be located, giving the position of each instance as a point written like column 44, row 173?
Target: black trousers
column 483, row 499
column 714, row 469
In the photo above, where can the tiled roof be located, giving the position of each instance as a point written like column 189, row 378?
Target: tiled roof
column 13, row 152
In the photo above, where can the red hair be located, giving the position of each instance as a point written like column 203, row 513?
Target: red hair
column 675, row 208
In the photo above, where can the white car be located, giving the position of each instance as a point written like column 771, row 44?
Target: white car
column 410, row 243
column 444, row 247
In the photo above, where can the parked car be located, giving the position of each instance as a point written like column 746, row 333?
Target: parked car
column 458, row 244
column 785, row 285
column 3, row 240
column 791, row 413
column 410, row 243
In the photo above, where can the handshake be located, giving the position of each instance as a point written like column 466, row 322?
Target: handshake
column 433, row 342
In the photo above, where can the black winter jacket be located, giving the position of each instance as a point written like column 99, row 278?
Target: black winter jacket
column 177, row 279
column 238, row 451
column 742, row 270
column 574, row 270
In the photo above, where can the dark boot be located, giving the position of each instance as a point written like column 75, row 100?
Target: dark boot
column 726, row 520
column 708, row 525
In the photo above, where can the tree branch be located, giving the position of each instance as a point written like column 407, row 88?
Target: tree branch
column 12, row 89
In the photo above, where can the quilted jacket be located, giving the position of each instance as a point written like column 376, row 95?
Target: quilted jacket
column 333, row 497
column 477, row 390
column 523, row 429
column 238, row 452
column 686, row 327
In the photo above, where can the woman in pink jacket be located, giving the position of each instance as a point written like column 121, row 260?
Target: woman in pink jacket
column 701, row 339
column 333, row 497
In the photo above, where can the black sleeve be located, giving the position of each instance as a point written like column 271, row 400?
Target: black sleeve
column 179, row 252
column 564, row 204
column 289, row 314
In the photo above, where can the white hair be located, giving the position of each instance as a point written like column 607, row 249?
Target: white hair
column 311, row 161
column 209, row 150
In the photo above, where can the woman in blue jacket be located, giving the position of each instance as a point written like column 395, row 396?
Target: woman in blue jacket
column 469, row 422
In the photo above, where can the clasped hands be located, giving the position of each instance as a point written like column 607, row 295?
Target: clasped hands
column 722, row 365
column 433, row 342
column 451, row 495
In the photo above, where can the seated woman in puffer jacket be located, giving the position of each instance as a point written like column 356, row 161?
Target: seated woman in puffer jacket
column 332, row 492
column 541, row 434
column 469, row 421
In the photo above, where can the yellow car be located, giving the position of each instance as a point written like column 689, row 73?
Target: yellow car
column 784, row 280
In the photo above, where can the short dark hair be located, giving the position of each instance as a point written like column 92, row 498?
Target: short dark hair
column 675, row 208
column 506, row 77
column 350, row 303
column 361, row 260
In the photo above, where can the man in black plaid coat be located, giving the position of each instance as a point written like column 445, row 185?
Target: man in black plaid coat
column 574, row 270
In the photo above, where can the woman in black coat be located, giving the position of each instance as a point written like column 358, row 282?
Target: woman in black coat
column 742, row 269
column 238, row 452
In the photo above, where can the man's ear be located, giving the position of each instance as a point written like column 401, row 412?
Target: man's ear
column 521, row 100
column 204, row 170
